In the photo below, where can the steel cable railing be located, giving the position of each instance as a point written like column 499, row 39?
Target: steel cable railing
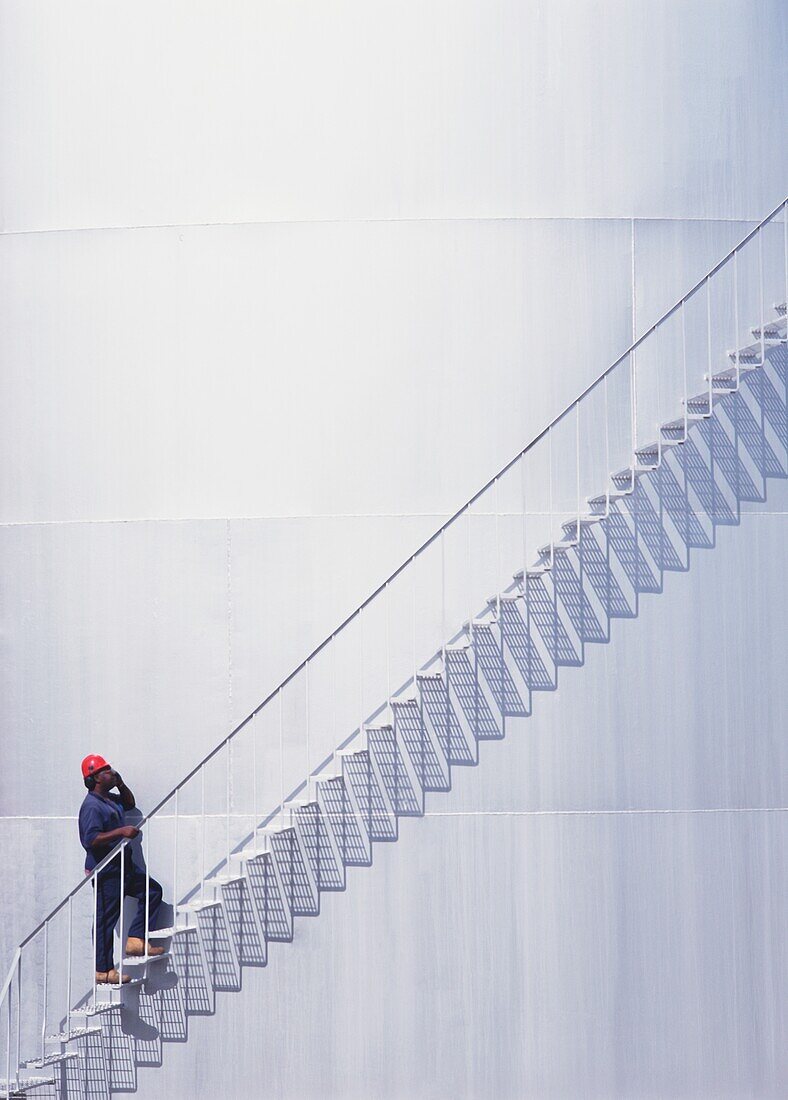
column 538, row 499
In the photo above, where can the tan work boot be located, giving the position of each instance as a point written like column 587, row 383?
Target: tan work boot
column 110, row 977
column 136, row 946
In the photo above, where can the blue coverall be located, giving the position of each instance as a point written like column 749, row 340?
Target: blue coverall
column 100, row 815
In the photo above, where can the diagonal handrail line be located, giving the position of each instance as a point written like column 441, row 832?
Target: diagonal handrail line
column 411, row 557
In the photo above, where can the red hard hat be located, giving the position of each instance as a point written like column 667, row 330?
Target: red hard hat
column 92, row 764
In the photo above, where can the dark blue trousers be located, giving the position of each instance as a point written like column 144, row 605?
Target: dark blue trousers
column 108, row 900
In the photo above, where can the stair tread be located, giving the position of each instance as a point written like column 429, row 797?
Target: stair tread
column 136, row 960
column 24, row 1083
column 166, row 933
column 53, row 1059
column 75, row 1033
column 196, row 906
column 250, row 854
column 102, row 1007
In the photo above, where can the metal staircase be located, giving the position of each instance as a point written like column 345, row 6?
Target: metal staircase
column 616, row 492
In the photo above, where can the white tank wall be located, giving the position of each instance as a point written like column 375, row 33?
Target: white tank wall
column 217, row 438
column 180, row 112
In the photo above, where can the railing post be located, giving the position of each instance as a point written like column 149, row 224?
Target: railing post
column 95, row 884
column 468, row 556
column 175, row 862
column 762, row 319
column 255, row 816
column 68, row 966
column 9, row 1005
column 526, row 599
column 710, row 356
column 684, row 366
column 497, row 506
column 18, row 1016
column 660, row 440
column 307, row 723
column 146, row 856
column 122, row 906
column 334, row 716
column 443, row 597
column 551, row 544
column 227, row 803
column 737, row 351
column 361, row 677
column 577, row 470
column 46, row 990
column 281, row 758
column 785, row 258
column 634, row 411
column 608, row 471
column 202, row 837
column 413, row 622
column 387, row 598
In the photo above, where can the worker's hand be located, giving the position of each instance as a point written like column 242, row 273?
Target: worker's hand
column 118, row 779
column 128, row 832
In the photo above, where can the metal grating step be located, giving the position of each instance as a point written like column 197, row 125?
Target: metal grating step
column 141, row 960
column 51, row 1059
column 748, row 358
column 21, row 1087
column 75, row 1033
column 772, row 333
column 168, row 933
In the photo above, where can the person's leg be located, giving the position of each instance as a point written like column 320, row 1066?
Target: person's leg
column 107, row 886
column 135, row 888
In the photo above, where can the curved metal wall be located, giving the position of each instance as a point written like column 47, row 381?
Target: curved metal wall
column 475, row 206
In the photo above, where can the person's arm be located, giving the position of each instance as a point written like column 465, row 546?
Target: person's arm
column 125, row 832
column 126, row 795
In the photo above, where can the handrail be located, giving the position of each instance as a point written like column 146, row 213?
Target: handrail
column 411, row 557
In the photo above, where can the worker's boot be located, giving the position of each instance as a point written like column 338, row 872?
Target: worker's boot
column 135, row 947
column 110, row 977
